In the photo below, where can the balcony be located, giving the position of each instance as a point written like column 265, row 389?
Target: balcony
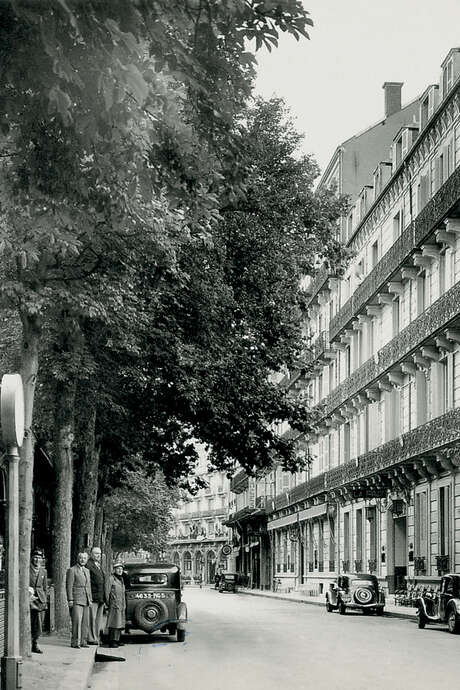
column 358, row 566
column 321, row 566
column 331, row 566
column 346, row 566
column 427, row 439
column 433, row 319
column 310, row 566
column 414, row 235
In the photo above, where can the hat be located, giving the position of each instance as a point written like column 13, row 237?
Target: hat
column 38, row 552
column 118, row 564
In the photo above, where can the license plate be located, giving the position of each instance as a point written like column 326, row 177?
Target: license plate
column 150, row 595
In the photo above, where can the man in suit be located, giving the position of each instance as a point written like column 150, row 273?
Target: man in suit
column 38, row 587
column 98, row 587
column 78, row 585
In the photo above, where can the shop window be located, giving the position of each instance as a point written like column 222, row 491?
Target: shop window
column 443, row 520
column 421, row 539
column 346, row 537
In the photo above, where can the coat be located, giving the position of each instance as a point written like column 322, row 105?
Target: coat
column 98, row 583
column 117, row 603
column 39, row 583
column 78, row 585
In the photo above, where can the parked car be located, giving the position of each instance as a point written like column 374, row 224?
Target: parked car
column 228, row 582
column 154, row 598
column 442, row 606
column 355, row 592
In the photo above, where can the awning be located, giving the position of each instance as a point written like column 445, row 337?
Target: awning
column 300, row 516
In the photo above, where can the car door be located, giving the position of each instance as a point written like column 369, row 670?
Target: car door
column 444, row 596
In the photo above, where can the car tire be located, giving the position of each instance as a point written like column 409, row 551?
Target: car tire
column 145, row 622
column 366, row 612
column 172, row 629
column 180, row 635
column 379, row 611
column 329, row 607
column 452, row 622
column 342, row 608
column 421, row 619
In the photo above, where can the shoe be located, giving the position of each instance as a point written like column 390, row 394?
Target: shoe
column 75, row 646
column 113, row 645
column 84, row 646
column 36, row 649
column 91, row 642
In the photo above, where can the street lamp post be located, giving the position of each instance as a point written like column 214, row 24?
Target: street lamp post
column 12, row 417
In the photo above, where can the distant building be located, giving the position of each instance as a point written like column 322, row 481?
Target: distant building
column 199, row 531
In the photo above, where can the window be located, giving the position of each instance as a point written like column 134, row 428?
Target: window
column 347, row 354
column 359, row 536
column 346, row 441
column 396, row 315
column 346, row 537
column 442, row 273
column 397, row 225
column 421, row 539
column 371, row 514
column 423, row 188
column 424, row 112
column 321, row 544
column 447, row 78
column 443, row 521
column 331, row 543
column 374, row 254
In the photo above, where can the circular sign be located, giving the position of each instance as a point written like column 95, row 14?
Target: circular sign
column 226, row 550
column 12, row 410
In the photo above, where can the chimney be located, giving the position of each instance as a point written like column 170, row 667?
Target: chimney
column 392, row 97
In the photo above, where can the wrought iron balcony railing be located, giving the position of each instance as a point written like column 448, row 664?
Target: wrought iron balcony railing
column 321, row 566
column 310, row 567
column 424, row 439
column 433, row 319
column 413, row 236
column 331, row 566
column 346, row 566
column 358, row 566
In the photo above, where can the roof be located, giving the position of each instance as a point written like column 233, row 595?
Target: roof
column 159, row 567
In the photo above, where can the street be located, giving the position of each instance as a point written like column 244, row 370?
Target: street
column 240, row 642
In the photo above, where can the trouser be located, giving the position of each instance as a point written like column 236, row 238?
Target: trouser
column 96, row 611
column 114, row 634
column 80, row 619
column 35, row 624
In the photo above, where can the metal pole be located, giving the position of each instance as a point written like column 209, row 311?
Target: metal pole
column 11, row 662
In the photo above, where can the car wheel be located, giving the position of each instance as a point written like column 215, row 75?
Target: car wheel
column 366, row 612
column 329, row 608
column 180, row 635
column 421, row 620
column 453, row 622
column 379, row 611
column 172, row 629
column 342, row 608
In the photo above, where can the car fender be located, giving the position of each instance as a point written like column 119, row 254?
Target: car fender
column 420, row 605
column 181, row 615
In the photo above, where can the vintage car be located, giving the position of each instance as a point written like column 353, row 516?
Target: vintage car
column 154, row 598
column 442, row 606
column 228, row 582
column 356, row 592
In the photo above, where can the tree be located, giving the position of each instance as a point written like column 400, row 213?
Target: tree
column 139, row 512
column 120, row 128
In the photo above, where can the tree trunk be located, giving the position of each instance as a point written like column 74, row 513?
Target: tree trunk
column 99, row 522
column 108, row 548
column 28, row 370
column 62, row 529
column 88, row 472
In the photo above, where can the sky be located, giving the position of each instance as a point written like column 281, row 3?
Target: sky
column 333, row 82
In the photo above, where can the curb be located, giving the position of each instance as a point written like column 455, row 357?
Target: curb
column 387, row 614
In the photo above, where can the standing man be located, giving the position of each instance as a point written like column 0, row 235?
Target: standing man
column 78, row 585
column 98, row 592
column 38, row 585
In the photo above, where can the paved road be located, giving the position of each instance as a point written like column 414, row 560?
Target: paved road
column 239, row 642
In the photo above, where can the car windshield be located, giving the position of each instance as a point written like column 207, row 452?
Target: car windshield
column 148, row 579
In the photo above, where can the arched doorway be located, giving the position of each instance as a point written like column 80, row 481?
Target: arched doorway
column 210, row 566
column 199, row 563
column 187, row 569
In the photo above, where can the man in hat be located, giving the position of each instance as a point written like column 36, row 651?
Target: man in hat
column 98, row 587
column 38, row 587
column 78, row 586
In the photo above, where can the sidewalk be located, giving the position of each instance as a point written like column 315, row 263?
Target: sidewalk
column 59, row 667
column 390, row 608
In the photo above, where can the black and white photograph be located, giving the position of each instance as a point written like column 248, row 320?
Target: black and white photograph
column 229, row 344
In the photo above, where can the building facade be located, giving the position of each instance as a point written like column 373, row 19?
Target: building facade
column 382, row 493
column 199, row 530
